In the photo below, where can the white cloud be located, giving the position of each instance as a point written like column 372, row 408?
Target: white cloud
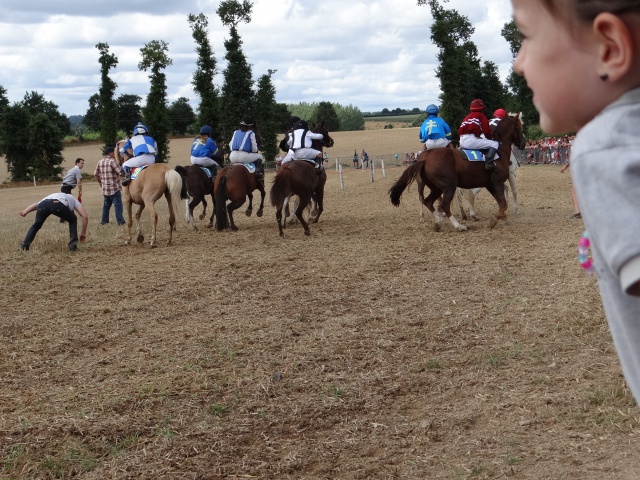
column 372, row 54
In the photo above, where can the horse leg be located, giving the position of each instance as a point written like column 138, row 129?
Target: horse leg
column 192, row 205
column 154, row 225
column 172, row 217
column 128, row 205
column 497, row 191
column 470, row 195
column 139, row 236
column 280, row 220
column 304, row 201
column 461, row 197
column 262, row 195
column 514, row 192
column 233, row 205
column 446, row 206
column 421, row 197
column 250, row 207
column 428, row 202
column 296, row 203
column 213, row 212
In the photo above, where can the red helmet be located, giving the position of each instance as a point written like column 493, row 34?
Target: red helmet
column 500, row 113
column 477, row 105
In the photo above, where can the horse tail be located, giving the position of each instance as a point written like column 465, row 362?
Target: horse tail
column 281, row 188
column 222, row 220
column 176, row 187
column 184, row 194
column 407, row 177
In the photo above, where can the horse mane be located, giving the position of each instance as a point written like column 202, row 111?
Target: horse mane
column 504, row 128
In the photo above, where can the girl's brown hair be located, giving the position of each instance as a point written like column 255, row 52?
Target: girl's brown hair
column 587, row 10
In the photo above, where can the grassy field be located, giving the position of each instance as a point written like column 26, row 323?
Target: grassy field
column 376, row 348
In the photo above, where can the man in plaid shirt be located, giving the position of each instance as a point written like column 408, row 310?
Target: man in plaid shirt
column 108, row 176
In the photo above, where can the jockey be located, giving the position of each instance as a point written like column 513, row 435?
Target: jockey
column 475, row 133
column 142, row 149
column 301, row 144
column 498, row 115
column 288, row 140
column 244, row 147
column 434, row 132
column 204, row 151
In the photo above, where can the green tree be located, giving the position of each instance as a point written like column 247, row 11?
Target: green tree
column 495, row 94
column 459, row 71
column 351, row 118
column 325, row 112
column 181, row 116
column 522, row 98
column 155, row 112
column 31, row 137
column 203, row 77
column 108, row 105
column 92, row 118
column 282, row 116
column 129, row 112
column 265, row 116
column 237, row 89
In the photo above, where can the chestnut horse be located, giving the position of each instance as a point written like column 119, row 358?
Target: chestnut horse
column 301, row 178
column 445, row 169
column 199, row 185
column 150, row 184
column 235, row 183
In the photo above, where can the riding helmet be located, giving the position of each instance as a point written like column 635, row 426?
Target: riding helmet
column 432, row 109
column 247, row 121
column 206, row 130
column 140, row 129
column 302, row 124
column 500, row 113
column 294, row 121
column 477, row 105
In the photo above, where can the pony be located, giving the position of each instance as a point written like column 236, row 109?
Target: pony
column 235, row 183
column 466, row 197
column 151, row 183
column 317, row 144
column 445, row 169
column 301, row 178
column 198, row 185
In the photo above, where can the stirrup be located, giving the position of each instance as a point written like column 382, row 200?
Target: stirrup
column 490, row 165
column 126, row 181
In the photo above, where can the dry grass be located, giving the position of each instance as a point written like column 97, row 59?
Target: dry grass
column 375, row 348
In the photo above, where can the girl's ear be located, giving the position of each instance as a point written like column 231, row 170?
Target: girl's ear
column 616, row 46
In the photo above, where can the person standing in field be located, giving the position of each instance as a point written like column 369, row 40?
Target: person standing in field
column 107, row 174
column 73, row 178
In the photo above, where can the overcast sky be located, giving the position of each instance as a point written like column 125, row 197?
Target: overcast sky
column 369, row 54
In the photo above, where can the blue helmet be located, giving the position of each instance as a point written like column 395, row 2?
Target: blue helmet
column 432, row 109
column 140, row 129
column 206, row 130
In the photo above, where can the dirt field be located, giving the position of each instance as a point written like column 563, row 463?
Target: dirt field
column 376, row 348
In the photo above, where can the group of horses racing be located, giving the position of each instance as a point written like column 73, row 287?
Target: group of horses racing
column 442, row 170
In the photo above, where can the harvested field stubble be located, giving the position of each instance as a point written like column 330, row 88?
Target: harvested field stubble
column 375, row 348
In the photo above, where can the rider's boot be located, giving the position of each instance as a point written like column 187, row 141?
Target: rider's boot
column 319, row 166
column 127, row 176
column 489, row 159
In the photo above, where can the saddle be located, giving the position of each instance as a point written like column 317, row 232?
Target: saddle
column 474, row 155
column 210, row 172
column 135, row 171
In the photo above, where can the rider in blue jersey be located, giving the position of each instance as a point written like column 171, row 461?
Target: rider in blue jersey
column 141, row 148
column 204, row 151
column 434, row 131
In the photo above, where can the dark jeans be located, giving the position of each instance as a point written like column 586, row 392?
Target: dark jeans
column 57, row 208
column 67, row 188
column 116, row 200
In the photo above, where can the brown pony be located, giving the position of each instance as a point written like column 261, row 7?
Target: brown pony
column 445, row 169
column 199, row 185
column 151, row 183
column 235, row 183
column 296, row 178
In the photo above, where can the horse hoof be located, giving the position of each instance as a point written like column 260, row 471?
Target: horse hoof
column 153, row 245
column 201, row 217
column 307, row 232
column 314, row 213
column 248, row 212
column 259, row 213
column 476, row 218
column 437, row 227
column 140, row 238
column 127, row 242
column 493, row 222
column 462, row 228
column 234, row 229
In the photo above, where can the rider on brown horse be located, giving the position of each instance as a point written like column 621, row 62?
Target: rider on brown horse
column 204, row 151
column 475, row 134
column 301, row 145
column 244, row 147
